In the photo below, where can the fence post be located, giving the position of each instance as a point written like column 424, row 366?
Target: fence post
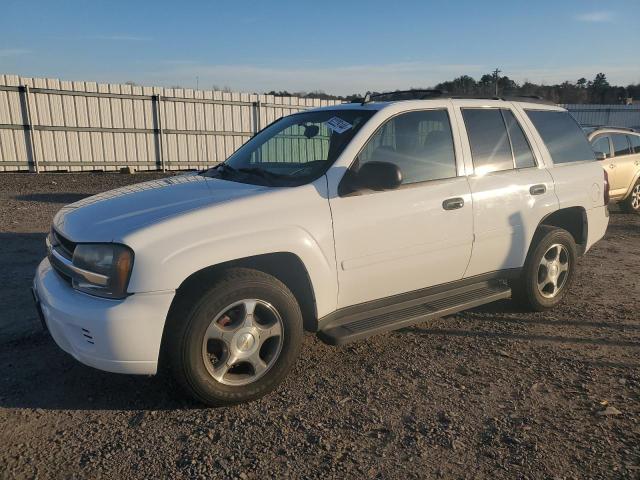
column 256, row 116
column 28, row 128
column 157, row 119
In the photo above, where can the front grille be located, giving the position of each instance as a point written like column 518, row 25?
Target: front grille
column 64, row 247
column 62, row 244
column 88, row 336
column 64, row 276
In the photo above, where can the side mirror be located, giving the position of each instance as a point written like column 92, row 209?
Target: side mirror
column 311, row 131
column 378, row 176
column 601, row 156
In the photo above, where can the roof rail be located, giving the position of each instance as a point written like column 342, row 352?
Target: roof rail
column 626, row 129
column 505, row 98
column 400, row 95
column 528, row 98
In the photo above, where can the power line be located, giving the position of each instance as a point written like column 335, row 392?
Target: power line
column 496, row 77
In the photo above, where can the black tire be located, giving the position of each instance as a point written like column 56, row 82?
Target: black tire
column 525, row 289
column 627, row 203
column 187, row 326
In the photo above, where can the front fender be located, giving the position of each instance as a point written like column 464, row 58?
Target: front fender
column 630, row 188
column 156, row 270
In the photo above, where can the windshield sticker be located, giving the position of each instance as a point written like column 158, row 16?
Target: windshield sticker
column 338, row 125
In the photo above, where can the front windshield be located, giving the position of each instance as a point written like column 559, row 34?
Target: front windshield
column 293, row 150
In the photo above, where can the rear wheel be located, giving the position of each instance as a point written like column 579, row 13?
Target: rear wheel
column 631, row 204
column 238, row 341
column 548, row 270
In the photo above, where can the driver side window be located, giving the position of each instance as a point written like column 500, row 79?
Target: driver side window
column 601, row 145
column 420, row 143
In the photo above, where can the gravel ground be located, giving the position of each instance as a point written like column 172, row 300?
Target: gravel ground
column 489, row 393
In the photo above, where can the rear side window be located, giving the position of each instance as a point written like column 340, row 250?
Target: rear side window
column 564, row 139
column 635, row 143
column 497, row 140
column 601, row 145
column 522, row 155
column 620, row 144
column 489, row 141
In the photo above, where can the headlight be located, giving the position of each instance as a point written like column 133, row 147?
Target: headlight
column 106, row 268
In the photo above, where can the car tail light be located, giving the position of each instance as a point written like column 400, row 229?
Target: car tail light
column 606, row 188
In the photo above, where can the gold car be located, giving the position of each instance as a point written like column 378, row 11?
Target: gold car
column 618, row 151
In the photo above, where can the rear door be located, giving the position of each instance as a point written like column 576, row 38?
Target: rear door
column 634, row 140
column 510, row 188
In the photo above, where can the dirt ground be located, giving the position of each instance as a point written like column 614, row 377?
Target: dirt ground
column 489, row 393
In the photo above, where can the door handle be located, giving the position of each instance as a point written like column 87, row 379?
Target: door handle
column 453, row 203
column 537, row 189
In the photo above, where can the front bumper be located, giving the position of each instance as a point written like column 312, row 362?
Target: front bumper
column 121, row 336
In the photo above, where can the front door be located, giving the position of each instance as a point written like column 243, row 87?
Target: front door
column 625, row 165
column 601, row 144
column 412, row 237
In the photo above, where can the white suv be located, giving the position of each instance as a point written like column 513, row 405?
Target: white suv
column 345, row 221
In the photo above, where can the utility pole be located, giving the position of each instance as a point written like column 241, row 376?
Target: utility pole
column 496, row 76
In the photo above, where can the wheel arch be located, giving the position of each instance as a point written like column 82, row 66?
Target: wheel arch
column 631, row 187
column 285, row 266
column 572, row 219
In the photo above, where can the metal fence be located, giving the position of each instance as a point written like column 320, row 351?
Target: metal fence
column 52, row 125
column 599, row 115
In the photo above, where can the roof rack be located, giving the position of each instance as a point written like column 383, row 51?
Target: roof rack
column 626, row 129
column 427, row 94
column 403, row 95
column 528, row 98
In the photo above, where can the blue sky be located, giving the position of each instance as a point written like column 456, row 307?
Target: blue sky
column 337, row 46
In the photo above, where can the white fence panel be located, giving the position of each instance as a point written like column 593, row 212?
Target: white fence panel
column 53, row 125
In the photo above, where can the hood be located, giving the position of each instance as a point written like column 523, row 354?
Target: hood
column 111, row 215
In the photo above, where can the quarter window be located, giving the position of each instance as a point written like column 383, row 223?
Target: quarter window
column 562, row 135
column 635, row 143
column 620, row 145
column 489, row 141
column 419, row 143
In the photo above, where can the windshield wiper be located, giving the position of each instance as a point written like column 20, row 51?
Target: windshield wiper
column 259, row 172
column 221, row 168
column 224, row 169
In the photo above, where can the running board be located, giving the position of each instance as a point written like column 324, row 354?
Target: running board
column 352, row 327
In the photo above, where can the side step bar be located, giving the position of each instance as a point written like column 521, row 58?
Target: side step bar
column 349, row 328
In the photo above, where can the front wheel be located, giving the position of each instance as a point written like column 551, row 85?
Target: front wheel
column 548, row 270
column 631, row 204
column 238, row 341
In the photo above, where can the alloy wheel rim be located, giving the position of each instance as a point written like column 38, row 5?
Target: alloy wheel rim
column 553, row 271
column 243, row 342
column 635, row 197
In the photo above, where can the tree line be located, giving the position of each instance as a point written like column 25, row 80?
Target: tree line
column 597, row 91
